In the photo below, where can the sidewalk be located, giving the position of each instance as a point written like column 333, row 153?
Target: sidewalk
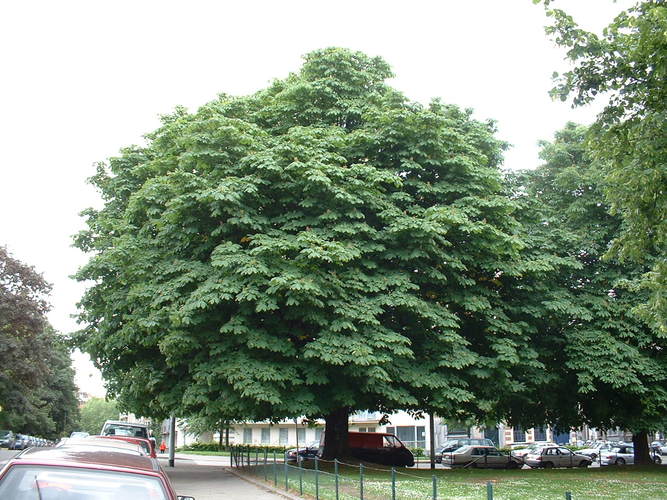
column 212, row 482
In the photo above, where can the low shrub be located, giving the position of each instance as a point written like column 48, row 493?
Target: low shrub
column 216, row 447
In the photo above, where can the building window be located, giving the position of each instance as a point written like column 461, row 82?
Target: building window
column 282, row 436
column 519, row 435
column 412, row 436
column 540, row 434
column 318, row 434
column 458, row 429
column 266, row 435
column 391, row 430
column 366, row 429
column 301, row 435
column 247, row 435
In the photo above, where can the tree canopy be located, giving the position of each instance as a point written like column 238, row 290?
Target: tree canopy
column 95, row 412
column 606, row 367
column 37, row 390
column 627, row 67
column 322, row 245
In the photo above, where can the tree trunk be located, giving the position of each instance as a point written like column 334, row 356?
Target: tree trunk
column 227, row 436
column 640, row 444
column 335, row 434
column 220, row 437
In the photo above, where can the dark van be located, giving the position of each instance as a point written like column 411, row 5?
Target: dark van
column 378, row 448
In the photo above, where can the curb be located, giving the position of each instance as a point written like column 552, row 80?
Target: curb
column 263, row 485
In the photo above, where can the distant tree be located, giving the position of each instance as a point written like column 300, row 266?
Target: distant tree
column 37, row 390
column 626, row 66
column 319, row 247
column 95, row 412
column 601, row 364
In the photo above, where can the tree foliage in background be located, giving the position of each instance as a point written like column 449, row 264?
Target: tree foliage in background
column 606, row 367
column 95, row 412
column 321, row 246
column 627, row 65
column 37, row 391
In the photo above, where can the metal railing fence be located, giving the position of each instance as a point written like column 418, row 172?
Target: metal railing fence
column 324, row 480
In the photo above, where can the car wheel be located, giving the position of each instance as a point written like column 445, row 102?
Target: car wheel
column 584, row 463
column 548, row 465
column 657, row 460
column 620, row 461
column 512, row 465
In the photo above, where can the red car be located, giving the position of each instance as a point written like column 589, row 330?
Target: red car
column 79, row 473
column 377, row 447
column 146, row 444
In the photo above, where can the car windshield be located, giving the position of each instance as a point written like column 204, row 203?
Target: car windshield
column 125, row 430
column 31, row 482
column 4, row 434
column 391, row 442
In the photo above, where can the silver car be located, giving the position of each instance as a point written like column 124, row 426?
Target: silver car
column 622, row 455
column 556, row 456
column 481, row 456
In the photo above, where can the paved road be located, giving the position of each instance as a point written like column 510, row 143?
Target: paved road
column 212, row 482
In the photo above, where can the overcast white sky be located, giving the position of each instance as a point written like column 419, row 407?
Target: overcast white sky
column 81, row 79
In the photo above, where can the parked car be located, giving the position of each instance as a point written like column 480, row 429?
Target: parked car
column 119, row 428
column 481, row 456
column 595, row 449
column 522, row 452
column 624, row 454
column 555, row 456
column 454, row 444
column 377, row 447
column 147, row 445
column 619, row 455
column 55, row 473
column 94, row 443
column 21, row 442
column 310, row 451
column 7, row 439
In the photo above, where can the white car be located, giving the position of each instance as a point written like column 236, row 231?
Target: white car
column 555, row 456
column 623, row 455
column 522, row 452
column 595, row 450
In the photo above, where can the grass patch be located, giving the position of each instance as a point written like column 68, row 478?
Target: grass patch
column 608, row 483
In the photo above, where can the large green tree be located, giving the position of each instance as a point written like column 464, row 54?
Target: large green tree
column 95, row 412
column 321, row 246
column 627, row 67
column 606, row 367
column 37, row 390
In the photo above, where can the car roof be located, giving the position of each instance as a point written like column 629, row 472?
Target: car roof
column 120, row 422
column 82, row 456
column 100, row 442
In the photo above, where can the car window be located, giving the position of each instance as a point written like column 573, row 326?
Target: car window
column 477, row 451
column 125, row 430
column 564, row 451
column 391, row 442
column 28, row 482
column 550, row 451
column 492, row 452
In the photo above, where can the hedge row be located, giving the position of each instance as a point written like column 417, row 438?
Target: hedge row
column 217, row 447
